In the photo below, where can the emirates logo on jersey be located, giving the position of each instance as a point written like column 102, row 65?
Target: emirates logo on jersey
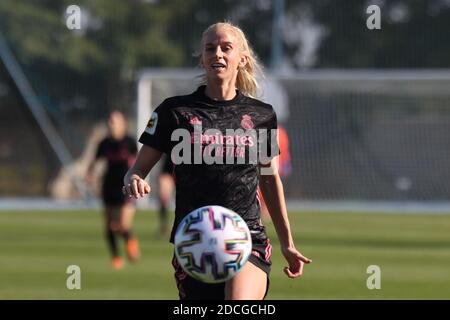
column 194, row 121
column 247, row 122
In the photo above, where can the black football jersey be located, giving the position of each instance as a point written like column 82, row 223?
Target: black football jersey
column 218, row 127
column 119, row 155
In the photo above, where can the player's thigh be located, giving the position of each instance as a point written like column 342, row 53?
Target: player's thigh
column 127, row 214
column 166, row 185
column 112, row 217
column 249, row 284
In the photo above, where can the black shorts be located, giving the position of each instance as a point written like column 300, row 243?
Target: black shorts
column 112, row 194
column 192, row 289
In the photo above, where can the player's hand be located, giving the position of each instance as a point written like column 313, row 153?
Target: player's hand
column 295, row 260
column 135, row 187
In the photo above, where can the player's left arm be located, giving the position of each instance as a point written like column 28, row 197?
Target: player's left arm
column 99, row 157
column 272, row 190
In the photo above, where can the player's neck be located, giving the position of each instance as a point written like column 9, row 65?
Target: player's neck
column 117, row 135
column 221, row 91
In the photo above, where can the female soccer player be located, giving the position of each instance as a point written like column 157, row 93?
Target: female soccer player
column 166, row 186
column 119, row 150
column 225, row 102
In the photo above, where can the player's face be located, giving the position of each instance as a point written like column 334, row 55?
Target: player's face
column 117, row 125
column 222, row 55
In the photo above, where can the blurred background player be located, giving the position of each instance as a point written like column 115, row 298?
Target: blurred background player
column 166, row 187
column 284, row 166
column 119, row 150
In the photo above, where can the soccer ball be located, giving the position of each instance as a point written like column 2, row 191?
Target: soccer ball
column 212, row 244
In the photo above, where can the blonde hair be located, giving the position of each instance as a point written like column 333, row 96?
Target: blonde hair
column 246, row 78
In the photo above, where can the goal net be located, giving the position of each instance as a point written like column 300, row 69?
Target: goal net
column 353, row 135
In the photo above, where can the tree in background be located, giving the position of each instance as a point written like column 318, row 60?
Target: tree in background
column 91, row 71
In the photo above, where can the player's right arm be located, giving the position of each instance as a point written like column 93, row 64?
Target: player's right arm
column 134, row 183
column 156, row 141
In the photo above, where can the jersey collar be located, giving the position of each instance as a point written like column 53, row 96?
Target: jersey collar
column 200, row 94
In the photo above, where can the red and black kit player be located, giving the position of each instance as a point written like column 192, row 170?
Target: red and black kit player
column 166, row 187
column 119, row 151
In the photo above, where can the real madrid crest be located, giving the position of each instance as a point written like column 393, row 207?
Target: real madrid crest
column 246, row 122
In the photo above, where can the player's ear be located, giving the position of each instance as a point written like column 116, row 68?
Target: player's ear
column 243, row 61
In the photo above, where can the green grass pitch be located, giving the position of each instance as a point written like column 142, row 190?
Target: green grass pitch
column 413, row 252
